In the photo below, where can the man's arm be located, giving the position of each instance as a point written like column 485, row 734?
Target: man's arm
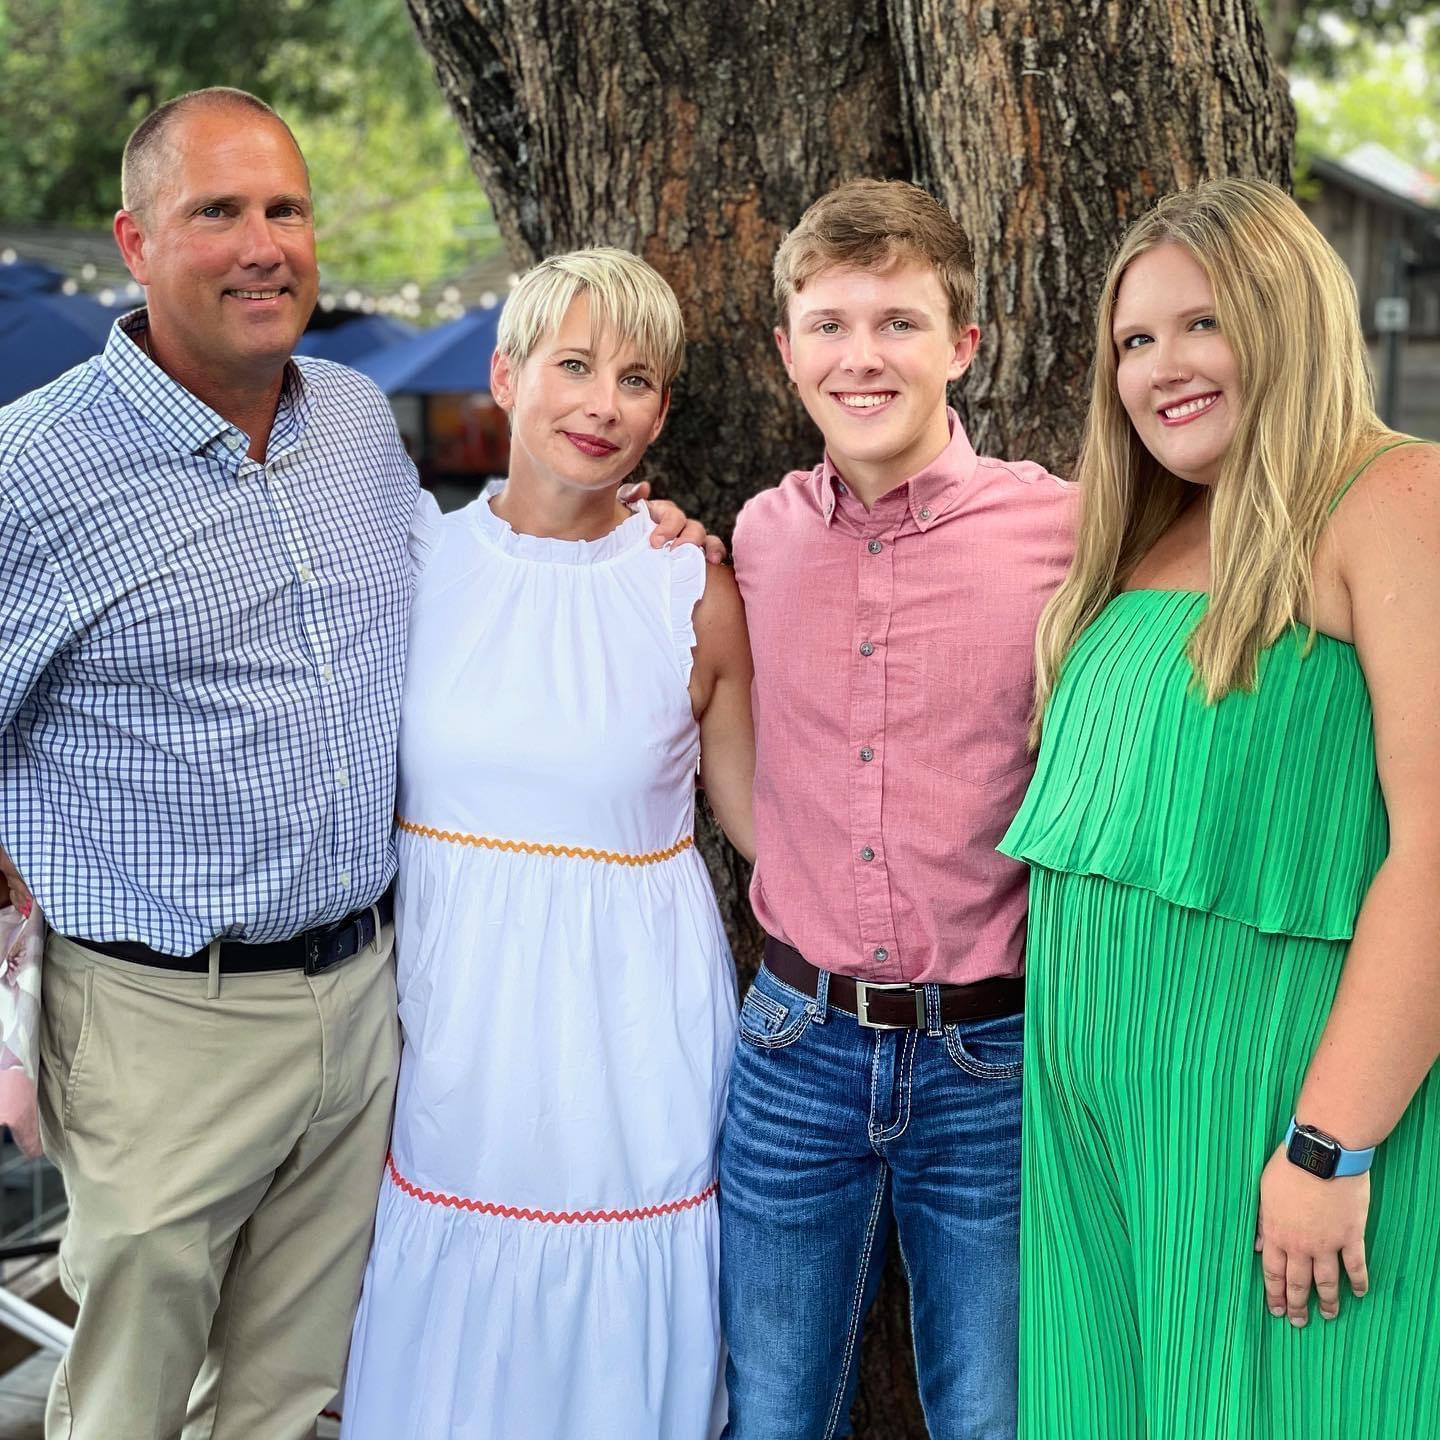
column 35, row 623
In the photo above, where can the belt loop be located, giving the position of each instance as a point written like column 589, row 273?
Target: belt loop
column 212, row 988
column 375, row 916
column 933, row 1024
column 822, row 996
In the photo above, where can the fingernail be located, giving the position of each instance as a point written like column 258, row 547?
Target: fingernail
column 1277, row 1311
column 1298, row 1321
column 669, row 545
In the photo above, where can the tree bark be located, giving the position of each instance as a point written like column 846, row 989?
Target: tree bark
column 695, row 132
column 1046, row 128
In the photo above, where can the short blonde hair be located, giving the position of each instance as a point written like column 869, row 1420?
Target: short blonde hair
column 869, row 225
column 629, row 300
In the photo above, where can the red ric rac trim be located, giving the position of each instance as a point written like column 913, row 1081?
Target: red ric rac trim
column 548, row 1217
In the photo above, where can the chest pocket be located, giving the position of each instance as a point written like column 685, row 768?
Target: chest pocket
column 975, row 711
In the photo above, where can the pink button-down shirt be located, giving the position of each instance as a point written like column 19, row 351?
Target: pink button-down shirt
column 893, row 675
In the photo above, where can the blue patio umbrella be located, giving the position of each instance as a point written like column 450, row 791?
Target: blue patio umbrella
column 28, row 277
column 352, row 338
column 43, row 335
column 450, row 359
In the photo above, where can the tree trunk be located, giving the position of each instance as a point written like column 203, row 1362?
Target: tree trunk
column 1046, row 128
column 695, row 132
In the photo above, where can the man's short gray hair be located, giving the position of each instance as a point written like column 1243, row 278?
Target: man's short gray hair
column 145, row 150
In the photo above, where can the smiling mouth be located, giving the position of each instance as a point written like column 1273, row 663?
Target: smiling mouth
column 1188, row 409
column 273, row 293
column 863, row 399
column 592, row 445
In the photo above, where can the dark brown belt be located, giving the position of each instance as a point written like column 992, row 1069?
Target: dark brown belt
column 901, row 1006
column 313, row 951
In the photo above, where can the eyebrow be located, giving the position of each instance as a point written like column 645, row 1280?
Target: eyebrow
column 908, row 312
column 589, row 354
column 200, row 201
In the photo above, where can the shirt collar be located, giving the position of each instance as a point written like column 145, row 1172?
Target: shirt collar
column 928, row 495
column 166, row 404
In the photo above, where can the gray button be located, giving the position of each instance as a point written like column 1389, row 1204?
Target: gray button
column 881, row 953
column 924, row 512
column 867, row 853
column 866, row 648
column 874, row 547
column 866, row 753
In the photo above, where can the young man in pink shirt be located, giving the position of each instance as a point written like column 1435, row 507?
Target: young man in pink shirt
column 892, row 594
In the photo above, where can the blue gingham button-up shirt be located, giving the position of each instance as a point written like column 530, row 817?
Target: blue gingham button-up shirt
column 200, row 655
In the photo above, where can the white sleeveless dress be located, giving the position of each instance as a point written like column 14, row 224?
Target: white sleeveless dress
column 546, row 1247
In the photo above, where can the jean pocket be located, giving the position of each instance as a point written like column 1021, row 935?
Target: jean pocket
column 988, row 1049
column 773, row 1015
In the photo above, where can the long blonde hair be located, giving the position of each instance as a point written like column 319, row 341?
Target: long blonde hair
column 1287, row 305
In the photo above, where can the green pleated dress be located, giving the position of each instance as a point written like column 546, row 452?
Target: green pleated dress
column 1197, row 871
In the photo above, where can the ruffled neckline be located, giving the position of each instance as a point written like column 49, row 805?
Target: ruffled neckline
column 543, row 549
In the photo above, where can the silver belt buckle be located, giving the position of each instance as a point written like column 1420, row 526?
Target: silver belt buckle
column 862, row 1003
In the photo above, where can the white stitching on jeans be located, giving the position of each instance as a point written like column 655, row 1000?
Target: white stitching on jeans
column 857, row 1304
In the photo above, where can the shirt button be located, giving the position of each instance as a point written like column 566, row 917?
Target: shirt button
column 924, row 512
column 882, row 954
column 874, row 547
column 866, row 648
column 342, row 777
column 344, row 878
column 326, row 672
column 867, row 853
column 306, row 573
column 866, row 753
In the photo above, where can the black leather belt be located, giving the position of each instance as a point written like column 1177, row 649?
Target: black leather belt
column 884, row 1006
column 313, row 951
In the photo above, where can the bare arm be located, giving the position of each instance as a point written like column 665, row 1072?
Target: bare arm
column 1383, row 1033
column 720, row 696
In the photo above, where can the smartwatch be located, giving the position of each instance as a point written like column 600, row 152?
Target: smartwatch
column 1323, row 1155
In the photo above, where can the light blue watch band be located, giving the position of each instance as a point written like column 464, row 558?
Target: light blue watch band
column 1348, row 1162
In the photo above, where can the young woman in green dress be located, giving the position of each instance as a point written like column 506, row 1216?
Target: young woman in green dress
column 1234, row 835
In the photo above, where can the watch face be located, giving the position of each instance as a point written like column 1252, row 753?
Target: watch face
column 1310, row 1151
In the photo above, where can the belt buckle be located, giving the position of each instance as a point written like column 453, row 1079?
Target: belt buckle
column 316, row 961
column 862, row 1003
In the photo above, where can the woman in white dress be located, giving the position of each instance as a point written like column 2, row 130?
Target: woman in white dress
column 544, row 1264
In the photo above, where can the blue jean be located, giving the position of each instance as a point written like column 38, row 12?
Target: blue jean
column 833, row 1135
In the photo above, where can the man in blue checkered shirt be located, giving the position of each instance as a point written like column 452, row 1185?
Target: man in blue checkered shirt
column 204, row 583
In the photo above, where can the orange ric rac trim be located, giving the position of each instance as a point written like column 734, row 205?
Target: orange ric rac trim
column 548, row 1217
column 529, row 847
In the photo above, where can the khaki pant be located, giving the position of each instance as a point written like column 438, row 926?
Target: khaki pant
column 222, row 1155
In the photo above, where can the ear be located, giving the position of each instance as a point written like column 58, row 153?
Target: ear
column 661, row 417
column 503, row 371
column 966, row 343
column 132, row 245
column 782, row 344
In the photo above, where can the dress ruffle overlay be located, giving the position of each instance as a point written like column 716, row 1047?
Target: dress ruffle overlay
column 1197, row 871
column 546, row 1245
